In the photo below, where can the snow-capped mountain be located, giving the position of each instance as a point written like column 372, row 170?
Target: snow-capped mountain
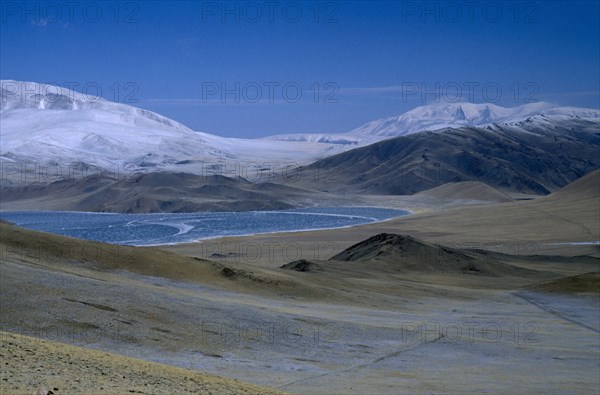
column 41, row 122
column 49, row 124
column 17, row 95
column 443, row 115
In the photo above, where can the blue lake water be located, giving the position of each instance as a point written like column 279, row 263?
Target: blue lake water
column 169, row 228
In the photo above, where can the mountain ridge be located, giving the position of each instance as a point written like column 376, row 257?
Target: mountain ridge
column 443, row 115
column 43, row 124
column 440, row 116
column 529, row 157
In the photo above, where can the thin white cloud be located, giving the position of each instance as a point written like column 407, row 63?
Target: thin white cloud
column 40, row 22
column 175, row 102
column 213, row 102
column 591, row 93
column 420, row 91
column 375, row 89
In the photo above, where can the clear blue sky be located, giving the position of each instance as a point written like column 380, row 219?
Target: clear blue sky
column 366, row 60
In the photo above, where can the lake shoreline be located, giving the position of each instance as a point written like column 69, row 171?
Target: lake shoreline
column 367, row 215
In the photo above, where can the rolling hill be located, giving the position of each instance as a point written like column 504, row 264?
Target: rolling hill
column 466, row 190
column 404, row 253
column 150, row 193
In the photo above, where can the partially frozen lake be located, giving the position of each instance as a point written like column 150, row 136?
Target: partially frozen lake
column 170, row 228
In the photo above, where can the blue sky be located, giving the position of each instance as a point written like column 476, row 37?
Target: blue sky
column 251, row 69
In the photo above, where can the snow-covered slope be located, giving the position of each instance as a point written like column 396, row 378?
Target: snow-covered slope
column 41, row 122
column 49, row 124
column 443, row 115
column 17, row 95
column 438, row 116
column 334, row 138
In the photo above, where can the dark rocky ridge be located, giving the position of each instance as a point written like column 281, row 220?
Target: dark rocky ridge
column 536, row 157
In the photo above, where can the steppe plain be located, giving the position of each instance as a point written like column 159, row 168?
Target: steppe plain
column 498, row 295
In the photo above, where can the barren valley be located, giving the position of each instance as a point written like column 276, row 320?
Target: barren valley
column 402, row 306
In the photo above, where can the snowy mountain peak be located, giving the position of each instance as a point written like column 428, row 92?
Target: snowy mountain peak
column 460, row 114
column 43, row 122
column 20, row 95
column 443, row 115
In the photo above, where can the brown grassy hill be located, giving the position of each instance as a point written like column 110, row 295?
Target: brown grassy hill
column 467, row 190
column 151, row 192
column 56, row 252
column 571, row 214
column 407, row 254
column 585, row 187
column 36, row 366
column 583, row 283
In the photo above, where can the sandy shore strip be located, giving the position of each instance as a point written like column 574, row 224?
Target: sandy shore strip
column 553, row 227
